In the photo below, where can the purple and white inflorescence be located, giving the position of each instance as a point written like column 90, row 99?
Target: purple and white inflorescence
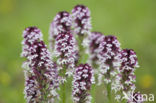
column 66, row 51
column 32, row 93
column 95, row 40
column 61, row 24
column 81, row 20
column 82, row 80
column 126, row 76
column 40, row 71
column 75, row 51
column 109, row 58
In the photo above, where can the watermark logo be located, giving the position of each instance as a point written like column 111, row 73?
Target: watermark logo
column 138, row 97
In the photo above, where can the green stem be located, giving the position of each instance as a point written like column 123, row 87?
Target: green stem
column 109, row 92
column 93, row 93
column 82, row 56
column 63, row 86
column 43, row 89
column 93, row 89
column 63, row 93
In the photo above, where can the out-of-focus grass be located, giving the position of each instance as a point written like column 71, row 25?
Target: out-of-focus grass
column 132, row 21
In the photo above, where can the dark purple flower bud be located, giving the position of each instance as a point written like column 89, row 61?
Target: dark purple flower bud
column 83, row 79
column 66, row 51
column 95, row 40
column 62, row 23
column 129, row 59
column 81, row 20
column 39, row 63
column 109, row 57
column 30, row 35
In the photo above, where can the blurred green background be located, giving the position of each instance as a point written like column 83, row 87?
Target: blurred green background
column 132, row 21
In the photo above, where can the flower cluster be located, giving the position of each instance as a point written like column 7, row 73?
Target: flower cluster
column 95, row 40
column 32, row 93
column 62, row 41
column 82, row 81
column 81, row 20
column 72, row 55
column 61, row 24
column 108, row 55
column 126, row 76
column 66, row 50
column 81, row 24
column 40, row 71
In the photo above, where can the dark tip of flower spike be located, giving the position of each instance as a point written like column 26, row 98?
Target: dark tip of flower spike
column 112, row 40
column 65, row 20
column 61, row 23
column 29, row 30
column 79, row 5
column 82, row 9
column 129, row 58
column 32, row 29
column 95, row 39
column 63, row 14
column 109, row 48
column 31, row 35
column 81, row 19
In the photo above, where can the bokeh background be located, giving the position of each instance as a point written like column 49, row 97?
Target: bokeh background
column 132, row 21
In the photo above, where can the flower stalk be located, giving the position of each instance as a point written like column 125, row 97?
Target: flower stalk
column 63, row 86
column 64, row 48
column 81, row 28
column 109, row 94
